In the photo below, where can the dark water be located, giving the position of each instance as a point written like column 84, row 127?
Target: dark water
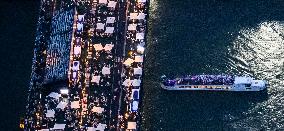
column 214, row 36
column 17, row 25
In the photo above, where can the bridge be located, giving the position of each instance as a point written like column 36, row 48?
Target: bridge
column 87, row 66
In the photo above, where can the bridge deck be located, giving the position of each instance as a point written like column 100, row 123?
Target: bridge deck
column 99, row 89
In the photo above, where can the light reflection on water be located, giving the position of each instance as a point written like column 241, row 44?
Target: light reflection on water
column 261, row 49
column 197, row 37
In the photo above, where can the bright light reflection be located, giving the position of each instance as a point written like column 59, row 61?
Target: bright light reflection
column 140, row 49
column 261, row 51
column 64, row 91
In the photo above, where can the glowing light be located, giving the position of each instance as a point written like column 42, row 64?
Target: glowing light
column 140, row 49
column 64, row 91
column 260, row 49
column 22, row 126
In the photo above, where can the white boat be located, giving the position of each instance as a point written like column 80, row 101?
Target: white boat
column 214, row 83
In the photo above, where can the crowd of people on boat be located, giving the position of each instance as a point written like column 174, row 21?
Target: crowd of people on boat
column 206, row 80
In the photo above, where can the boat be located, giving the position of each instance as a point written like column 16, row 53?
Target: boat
column 213, row 83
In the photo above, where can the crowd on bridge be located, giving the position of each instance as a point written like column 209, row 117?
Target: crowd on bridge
column 95, row 97
column 133, row 64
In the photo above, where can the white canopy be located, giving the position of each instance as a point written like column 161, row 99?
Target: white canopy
column 136, row 82
column 106, row 71
column 91, row 129
column 98, row 47
column 128, row 62
column 80, row 17
column 100, row 26
column 141, row 16
column 108, row 47
column 127, row 82
column 137, row 16
column 138, row 58
column 75, row 104
column 138, row 71
column 64, row 91
column 59, row 126
column 98, row 109
column 109, row 30
column 44, row 130
column 133, row 15
column 110, row 20
column 79, row 26
column 132, row 26
column 54, row 95
column 131, row 125
column 96, row 79
column 141, row 1
column 101, row 127
column 76, row 65
column 77, row 50
column 111, row 4
column 139, row 36
column 50, row 113
column 102, row 1
column 61, row 105
column 140, row 49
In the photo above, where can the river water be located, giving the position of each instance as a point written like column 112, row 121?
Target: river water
column 18, row 27
column 213, row 37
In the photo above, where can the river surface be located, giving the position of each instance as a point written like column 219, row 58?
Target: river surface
column 18, row 19
column 213, row 37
